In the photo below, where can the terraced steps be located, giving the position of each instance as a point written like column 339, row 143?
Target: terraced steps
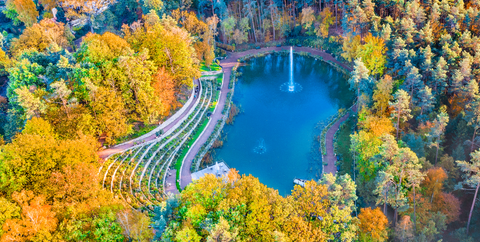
column 138, row 174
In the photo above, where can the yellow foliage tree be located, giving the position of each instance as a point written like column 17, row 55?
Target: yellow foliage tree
column 373, row 55
column 40, row 36
column 350, row 46
column 27, row 11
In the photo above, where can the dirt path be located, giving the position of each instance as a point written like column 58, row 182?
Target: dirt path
column 331, row 157
column 227, row 65
column 121, row 147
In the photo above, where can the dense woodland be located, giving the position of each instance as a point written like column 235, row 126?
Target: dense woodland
column 79, row 74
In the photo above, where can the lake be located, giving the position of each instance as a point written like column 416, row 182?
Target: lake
column 273, row 136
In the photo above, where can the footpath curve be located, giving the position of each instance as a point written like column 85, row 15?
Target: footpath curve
column 171, row 122
column 227, row 65
column 331, row 157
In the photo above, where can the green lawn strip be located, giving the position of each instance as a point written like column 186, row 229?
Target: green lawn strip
column 213, row 67
column 342, row 146
column 178, row 164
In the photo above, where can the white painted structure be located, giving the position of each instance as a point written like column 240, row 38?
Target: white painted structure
column 219, row 170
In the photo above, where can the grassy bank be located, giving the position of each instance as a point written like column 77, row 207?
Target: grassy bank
column 342, row 145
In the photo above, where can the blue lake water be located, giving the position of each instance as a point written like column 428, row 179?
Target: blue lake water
column 273, row 135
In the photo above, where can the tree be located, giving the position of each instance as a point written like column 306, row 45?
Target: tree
column 372, row 53
column 425, row 100
column 26, row 10
column 222, row 232
column 400, row 111
column 440, row 75
column 436, row 133
column 472, row 115
column 106, row 229
column 187, row 234
column 307, row 17
column 413, row 82
column 326, row 21
column 135, row 225
column 168, row 46
column 383, row 94
column 405, row 165
column 8, row 210
column 63, row 93
column 373, row 225
column 228, row 26
column 385, row 190
column 415, row 178
column 350, row 47
column 164, row 86
column 434, row 181
column 472, row 178
column 341, row 189
column 360, row 80
column 404, row 229
column 37, row 221
column 365, row 145
column 41, row 36
column 79, row 12
column 28, row 161
column 33, row 106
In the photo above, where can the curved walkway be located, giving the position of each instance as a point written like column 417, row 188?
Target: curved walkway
column 227, row 65
column 331, row 157
column 150, row 136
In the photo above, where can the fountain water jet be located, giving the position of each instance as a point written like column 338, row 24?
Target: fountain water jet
column 291, row 86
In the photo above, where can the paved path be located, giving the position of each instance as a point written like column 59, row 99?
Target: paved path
column 121, row 147
column 331, row 157
column 171, row 183
column 227, row 65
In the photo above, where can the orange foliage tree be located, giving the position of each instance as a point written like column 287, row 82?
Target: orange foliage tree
column 37, row 219
column 164, row 86
column 434, row 182
column 373, row 225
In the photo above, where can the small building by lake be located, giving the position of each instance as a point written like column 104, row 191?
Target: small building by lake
column 218, row 170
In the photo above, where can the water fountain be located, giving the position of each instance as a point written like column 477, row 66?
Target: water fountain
column 291, row 86
column 260, row 148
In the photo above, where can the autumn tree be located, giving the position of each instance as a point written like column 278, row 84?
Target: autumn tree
column 341, row 189
column 472, row 116
column 37, row 222
column 135, row 225
column 436, row 133
column 360, row 80
column 382, row 94
column 404, row 229
column 372, row 53
column 41, row 36
column 28, row 161
column 8, row 210
column 84, row 11
column 168, row 46
column 472, row 178
column 26, row 10
column 401, row 110
column 373, row 225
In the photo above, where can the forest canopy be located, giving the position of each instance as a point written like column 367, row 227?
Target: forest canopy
column 76, row 75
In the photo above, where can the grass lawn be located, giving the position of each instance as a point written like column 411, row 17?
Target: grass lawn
column 343, row 146
column 213, row 67
column 178, row 164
